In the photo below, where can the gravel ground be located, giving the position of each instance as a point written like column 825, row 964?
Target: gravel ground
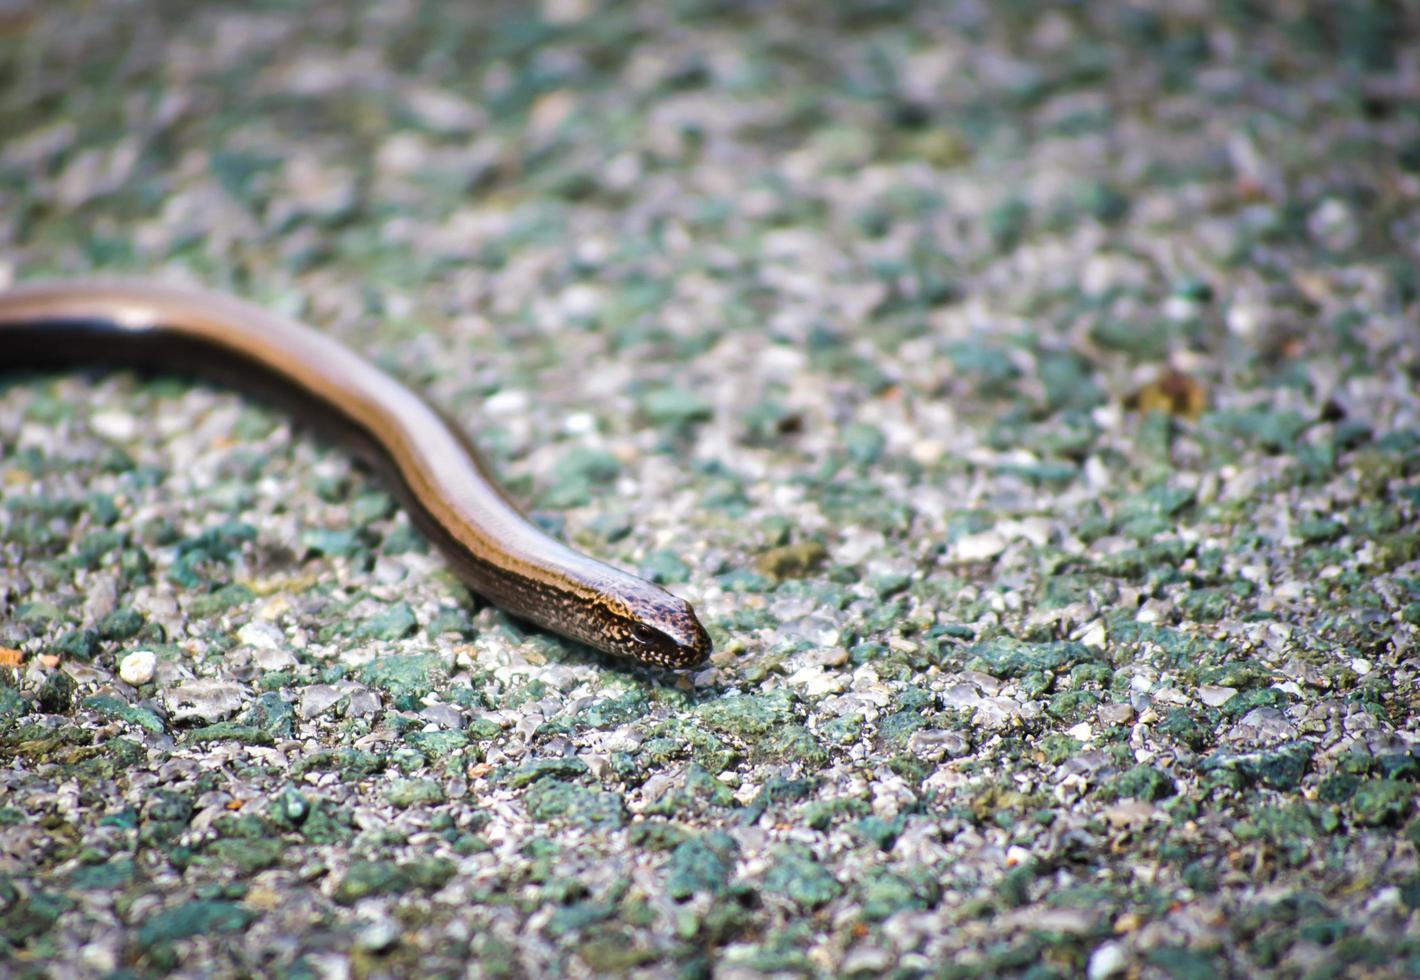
column 1024, row 394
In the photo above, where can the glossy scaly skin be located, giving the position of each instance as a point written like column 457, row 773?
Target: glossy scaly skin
column 433, row 468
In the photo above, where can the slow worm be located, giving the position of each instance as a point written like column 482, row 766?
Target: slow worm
column 432, row 467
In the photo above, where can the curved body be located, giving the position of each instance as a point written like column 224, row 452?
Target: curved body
column 432, row 467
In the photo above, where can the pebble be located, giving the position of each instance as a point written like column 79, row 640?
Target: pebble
column 982, row 546
column 866, row 959
column 1108, row 960
column 206, row 699
column 1094, row 635
column 1115, row 714
column 1216, row 697
column 273, row 658
column 995, row 713
column 960, row 696
column 378, row 936
column 814, row 681
column 1262, row 725
column 934, row 744
column 115, row 426
column 1131, row 813
column 1333, row 225
column 1017, row 856
column 138, row 667
column 364, row 703
column 443, row 715
column 261, row 634
column 317, row 699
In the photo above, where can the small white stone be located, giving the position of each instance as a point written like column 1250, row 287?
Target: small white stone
column 114, row 426
column 816, row 682
column 1094, row 635
column 316, row 699
column 138, row 667
column 580, row 300
column 580, row 424
column 278, row 659
column 1037, row 530
column 1133, row 813
column 1016, row 856
column 960, row 696
column 867, row 959
column 1262, row 725
column 1072, row 922
column 363, row 704
column 1115, row 714
column 509, row 401
column 1333, row 225
column 935, row 744
column 995, row 713
column 261, row 634
column 204, row 699
column 274, row 608
column 900, row 644
column 443, row 715
column 1106, row 961
column 1216, row 697
column 1361, row 666
column 1249, row 320
column 706, row 677
column 831, row 656
column 1081, row 732
column 443, row 111
column 1180, row 308
column 315, row 188
column 979, row 547
column 927, row 451
column 33, row 436
column 379, row 935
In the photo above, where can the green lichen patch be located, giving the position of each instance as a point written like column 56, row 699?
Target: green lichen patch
column 748, row 715
column 552, row 801
column 800, row 877
column 405, row 677
column 114, row 707
column 702, row 864
column 438, row 745
column 227, row 731
column 536, row 769
column 363, row 879
column 1281, row 768
column 405, row 793
column 200, row 918
column 394, row 623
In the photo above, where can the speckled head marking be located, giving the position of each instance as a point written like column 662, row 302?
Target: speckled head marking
column 654, row 627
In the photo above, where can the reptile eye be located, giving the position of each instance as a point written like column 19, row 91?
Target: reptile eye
column 644, row 634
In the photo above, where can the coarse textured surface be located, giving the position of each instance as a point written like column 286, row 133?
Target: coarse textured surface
column 1024, row 394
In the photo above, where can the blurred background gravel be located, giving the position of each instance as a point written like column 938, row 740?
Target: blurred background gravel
column 1025, row 394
